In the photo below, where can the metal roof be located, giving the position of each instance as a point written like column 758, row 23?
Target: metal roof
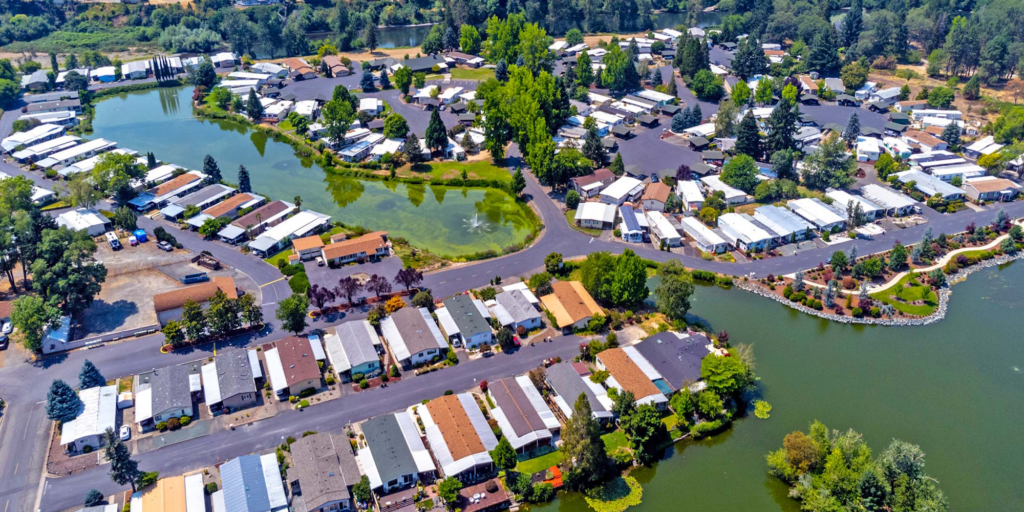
column 569, row 385
column 411, row 330
column 352, row 344
column 390, row 455
column 99, row 412
column 467, row 315
column 517, row 305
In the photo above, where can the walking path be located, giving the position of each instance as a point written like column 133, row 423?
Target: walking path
column 923, row 270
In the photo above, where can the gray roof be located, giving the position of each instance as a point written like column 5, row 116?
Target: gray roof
column 204, row 194
column 566, row 381
column 466, row 315
column 521, row 416
column 410, row 327
column 424, row 63
column 170, row 388
column 390, row 452
column 50, row 96
column 358, row 342
column 234, row 373
column 517, row 305
column 325, row 468
column 676, row 359
column 244, row 485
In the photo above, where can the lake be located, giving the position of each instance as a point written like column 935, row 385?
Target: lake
column 431, row 218
column 956, row 388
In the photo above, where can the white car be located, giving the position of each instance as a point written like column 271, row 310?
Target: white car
column 319, row 261
column 7, row 328
column 125, row 432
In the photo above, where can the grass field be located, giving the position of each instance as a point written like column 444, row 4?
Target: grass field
column 283, row 255
column 614, row 440
column 570, row 217
column 538, row 464
column 481, row 170
column 916, row 292
column 472, row 74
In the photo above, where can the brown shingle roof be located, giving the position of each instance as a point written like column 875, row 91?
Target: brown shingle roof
column 174, row 184
column 368, row 243
column 923, row 137
column 521, row 415
column 228, row 205
column 335, row 63
column 657, row 191
column 458, row 432
column 297, row 359
column 995, row 185
column 627, row 373
column 201, row 292
column 598, row 175
column 309, row 242
column 296, row 64
column 264, row 212
column 570, row 303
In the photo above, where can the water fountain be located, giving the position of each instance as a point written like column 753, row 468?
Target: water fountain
column 476, row 225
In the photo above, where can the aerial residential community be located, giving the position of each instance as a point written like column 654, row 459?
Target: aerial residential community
column 466, row 256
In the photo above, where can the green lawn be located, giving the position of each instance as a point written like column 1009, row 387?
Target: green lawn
column 283, row 255
column 614, row 440
column 916, row 292
column 472, row 74
column 570, row 217
column 482, row 170
column 538, row 464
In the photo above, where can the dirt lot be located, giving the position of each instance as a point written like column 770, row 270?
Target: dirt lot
column 134, row 275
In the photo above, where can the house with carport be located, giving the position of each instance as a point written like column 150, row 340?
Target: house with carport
column 522, row 414
column 292, row 365
column 568, row 384
column 625, row 373
column 229, row 383
column 413, row 337
column 322, row 473
column 571, row 305
column 676, row 356
column 353, row 348
column 166, row 393
column 394, row 456
column 513, row 310
column 459, row 436
column 466, row 321
column 98, row 413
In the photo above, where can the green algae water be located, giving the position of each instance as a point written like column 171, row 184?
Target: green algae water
column 956, row 388
column 444, row 220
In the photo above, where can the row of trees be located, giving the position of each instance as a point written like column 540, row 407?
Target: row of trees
column 223, row 315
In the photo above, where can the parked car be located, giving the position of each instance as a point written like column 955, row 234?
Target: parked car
column 319, row 261
column 7, row 328
column 164, row 246
column 3, row 342
column 125, row 432
column 115, row 244
column 133, row 241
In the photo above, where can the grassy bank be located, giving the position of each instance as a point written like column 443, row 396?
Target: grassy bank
column 899, row 296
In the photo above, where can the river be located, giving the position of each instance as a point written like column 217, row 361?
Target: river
column 953, row 387
column 431, row 218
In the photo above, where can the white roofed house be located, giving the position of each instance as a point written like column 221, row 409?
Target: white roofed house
column 522, row 414
column 278, row 111
column 742, row 233
column 786, row 226
column 868, row 149
column 99, row 412
column 76, row 153
column 91, row 221
column 842, row 201
column 689, row 191
column 41, row 133
column 458, row 435
column 394, row 456
column 40, row 150
column 165, row 393
column 224, row 60
column 371, row 105
column 250, row 483
column 662, row 230
column 818, row 213
column 706, row 239
column 450, row 95
column 413, row 337
column 733, row 196
column 983, row 146
column 280, row 236
column 306, row 108
column 136, row 70
column 595, row 215
column 893, row 203
column 622, row 190
column 930, row 185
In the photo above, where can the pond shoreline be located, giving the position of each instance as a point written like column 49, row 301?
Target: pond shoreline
column 939, row 314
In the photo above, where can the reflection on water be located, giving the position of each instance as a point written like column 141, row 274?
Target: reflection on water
column 160, row 121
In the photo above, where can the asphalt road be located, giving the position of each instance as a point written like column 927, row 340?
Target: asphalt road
column 24, row 432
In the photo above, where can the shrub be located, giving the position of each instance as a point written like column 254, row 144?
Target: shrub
column 292, row 399
column 299, row 283
column 185, row 420
column 849, row 283
column 303, row 404
column 330, row 380
column 857, row 312
column 363, row 384
column 521, row 331
column 358, row 377
column 787, row 292
column 211, row 487
column 161, row 426
column 173, row 424
column 291, row 270
column 393, row 372
column 875, row 312
column 703, row 275
column 307, row 392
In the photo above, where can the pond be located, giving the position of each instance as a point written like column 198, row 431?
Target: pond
column 954, row 388
column 438, row 219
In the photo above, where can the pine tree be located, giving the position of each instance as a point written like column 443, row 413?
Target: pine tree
column 781, row 127
column 62, row 403
column 672, row 88
column 518, row 182
column 90, row 376
column 951, row 134
column 436, row 137
column 412, row 148
column 253, row 107
column 824, row 54
column 370, row 36
column 852, row 129
column 592, row 147
column 696, row 115
column 243, row 180
column 679, row 121
column 501, row 71
column 150, row 160
column 123, row 470
column 366, row 82
column 748, row 140
column 656, row 77
column 385, row 82
column 853, row 24
column 749, row 60
column 585, row 462
column 617, row 168
column 211, row 169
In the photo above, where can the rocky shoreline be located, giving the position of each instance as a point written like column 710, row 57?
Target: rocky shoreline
column 939, row 313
